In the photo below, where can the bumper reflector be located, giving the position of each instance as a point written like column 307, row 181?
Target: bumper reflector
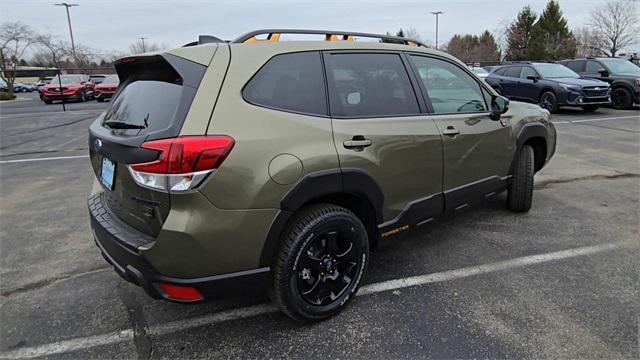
column 181, row 293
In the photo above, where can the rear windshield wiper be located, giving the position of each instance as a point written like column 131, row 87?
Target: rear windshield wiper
column 115, row 124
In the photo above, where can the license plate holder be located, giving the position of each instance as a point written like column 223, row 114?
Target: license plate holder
column 107, row 173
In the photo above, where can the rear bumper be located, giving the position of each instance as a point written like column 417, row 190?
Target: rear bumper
column 104, row 94
column 117, row 244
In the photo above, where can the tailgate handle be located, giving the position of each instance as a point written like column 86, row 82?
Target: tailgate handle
column 357, row 143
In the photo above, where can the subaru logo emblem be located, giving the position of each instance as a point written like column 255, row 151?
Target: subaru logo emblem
column 98, row 144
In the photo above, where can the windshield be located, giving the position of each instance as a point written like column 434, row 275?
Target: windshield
column 67, row 79
column 111, row 79
column 550, row 71
column 619, row 66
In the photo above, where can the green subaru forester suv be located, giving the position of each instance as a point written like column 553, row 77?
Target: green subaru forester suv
column 260, row 164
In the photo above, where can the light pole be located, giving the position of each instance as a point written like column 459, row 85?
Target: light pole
column 73, row 46
column 437, row 13
column 143, row 39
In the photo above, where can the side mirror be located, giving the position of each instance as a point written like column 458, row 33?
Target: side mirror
column 499, row 106
column 603, row 73
column 532, row 77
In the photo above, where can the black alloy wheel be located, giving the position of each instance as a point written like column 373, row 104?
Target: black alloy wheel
column 549, row 101
column 621, row 98
column 322, row 260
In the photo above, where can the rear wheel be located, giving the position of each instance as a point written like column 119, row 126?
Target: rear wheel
column 520, row 192
column 621, row 98
column 322, row 259
column 549, row 101
column 590, row 108
column 47, row 102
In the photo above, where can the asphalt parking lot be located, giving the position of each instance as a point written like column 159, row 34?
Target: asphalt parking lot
column 558, row 282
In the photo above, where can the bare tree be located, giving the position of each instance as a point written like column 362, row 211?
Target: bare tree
column 53, row 51
column 15, row 38
column 589, row 42
column 618, row 24
column 138, row 48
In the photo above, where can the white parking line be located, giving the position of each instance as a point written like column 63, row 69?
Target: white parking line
column 44, row 159
column 597, row 119
column 250, row 311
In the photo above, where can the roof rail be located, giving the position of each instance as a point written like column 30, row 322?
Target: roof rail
column 273, row 35
column 204, row 39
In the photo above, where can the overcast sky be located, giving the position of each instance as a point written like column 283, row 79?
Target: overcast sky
column 114, row 24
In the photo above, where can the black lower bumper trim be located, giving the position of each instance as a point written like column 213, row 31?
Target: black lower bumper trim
column 133, row 267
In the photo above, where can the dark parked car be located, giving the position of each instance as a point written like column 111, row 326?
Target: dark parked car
column 68, row 87
column 107, row 88
column 550, row 85
column 621, row 74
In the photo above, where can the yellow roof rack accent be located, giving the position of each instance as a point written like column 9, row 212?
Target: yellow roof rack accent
column 274, row 35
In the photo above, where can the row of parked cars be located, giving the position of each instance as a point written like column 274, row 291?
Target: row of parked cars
column 587, row 83
column 77, row 87
column 18, row 87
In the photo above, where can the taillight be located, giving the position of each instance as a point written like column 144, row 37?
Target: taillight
column 184, row 162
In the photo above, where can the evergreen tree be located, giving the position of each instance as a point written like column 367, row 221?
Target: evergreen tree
column 551, row 38
column 519, row 34
column 487, row 48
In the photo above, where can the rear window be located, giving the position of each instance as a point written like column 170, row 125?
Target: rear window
column 147, row 103
column 290, row 82
column 149, row 98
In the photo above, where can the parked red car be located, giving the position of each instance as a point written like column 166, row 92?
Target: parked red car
column 107, row 87
column 68, row 87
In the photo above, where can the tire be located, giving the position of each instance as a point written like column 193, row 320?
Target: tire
column 99, row 99
column 622, row 99
column 83, row 97
column 549, row 101
column 590, row 108
column 520, row 192
column 47, row 102
column 323, row 247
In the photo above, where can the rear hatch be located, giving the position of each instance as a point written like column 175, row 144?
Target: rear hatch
column 151, row 103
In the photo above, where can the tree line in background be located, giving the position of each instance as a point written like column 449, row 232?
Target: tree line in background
column 610, row 28
column 46, row 50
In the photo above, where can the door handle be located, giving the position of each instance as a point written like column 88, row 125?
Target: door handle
column 357, row 143
column 451, row 131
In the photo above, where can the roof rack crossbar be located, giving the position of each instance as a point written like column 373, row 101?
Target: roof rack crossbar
column 330, row 35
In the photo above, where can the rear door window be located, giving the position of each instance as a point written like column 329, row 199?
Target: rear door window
column 369, row 85
column 513, row 71
column 593, row 67
column 577, row 66
column 290, row 82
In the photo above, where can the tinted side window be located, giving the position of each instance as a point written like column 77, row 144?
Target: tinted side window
column 527, row 71
column 501, row 71
column 513, row 71
column 577, row 66
column 593, row 67
column 450, row 89
column 292, row 82
column 368, row 85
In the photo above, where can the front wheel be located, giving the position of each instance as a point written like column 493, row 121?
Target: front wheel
column 83, row 96
column 622, row 99
column 590, row 108
column 322, row 260
column 520, row 192
column 549, row 101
